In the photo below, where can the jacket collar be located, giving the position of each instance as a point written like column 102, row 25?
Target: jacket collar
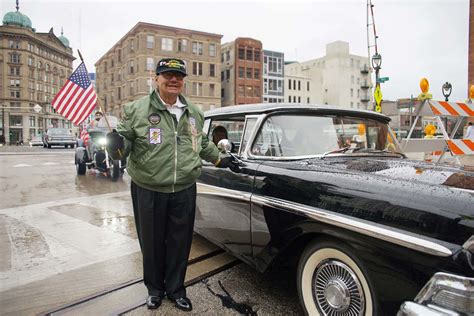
column 156, row 103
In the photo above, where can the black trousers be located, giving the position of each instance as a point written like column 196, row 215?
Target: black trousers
column 164, row 223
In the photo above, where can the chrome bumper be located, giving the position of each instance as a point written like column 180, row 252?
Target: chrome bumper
column 444, row 294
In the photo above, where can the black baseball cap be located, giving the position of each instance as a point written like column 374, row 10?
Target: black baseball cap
column 171, row 64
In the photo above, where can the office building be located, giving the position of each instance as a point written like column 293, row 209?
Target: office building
column 338, row 78
column 273, row 77
column 127, row 70
column 241, row 74
column 33, row 67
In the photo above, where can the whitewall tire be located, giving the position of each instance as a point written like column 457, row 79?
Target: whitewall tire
column 332, row 281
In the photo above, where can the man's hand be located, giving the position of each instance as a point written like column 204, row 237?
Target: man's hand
column 228, row 162
column 114, row 144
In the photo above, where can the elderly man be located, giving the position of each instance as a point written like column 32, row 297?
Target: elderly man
column 163, row 134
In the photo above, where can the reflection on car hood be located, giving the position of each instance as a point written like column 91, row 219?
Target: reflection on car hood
column 409, row 170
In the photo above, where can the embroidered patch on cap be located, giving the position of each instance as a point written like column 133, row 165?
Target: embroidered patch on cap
column 154, row 118
column 155, row 135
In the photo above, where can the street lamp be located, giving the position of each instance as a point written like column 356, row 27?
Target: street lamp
column 447, row 88
column 376, row 63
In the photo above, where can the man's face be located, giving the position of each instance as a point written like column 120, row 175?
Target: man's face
column 170, row 83
column 98, row 116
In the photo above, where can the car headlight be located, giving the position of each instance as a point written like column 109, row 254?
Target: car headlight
column 102, row 141
column 448, row 291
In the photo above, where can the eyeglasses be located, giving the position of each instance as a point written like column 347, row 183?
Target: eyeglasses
column 168, row 75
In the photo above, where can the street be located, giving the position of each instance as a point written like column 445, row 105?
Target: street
column 65, row 237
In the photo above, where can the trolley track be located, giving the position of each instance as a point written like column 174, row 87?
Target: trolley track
column 131, row 295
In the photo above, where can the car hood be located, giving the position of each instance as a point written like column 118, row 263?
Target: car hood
column 408, row 170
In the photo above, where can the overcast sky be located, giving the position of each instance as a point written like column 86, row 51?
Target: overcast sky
column 417, row 38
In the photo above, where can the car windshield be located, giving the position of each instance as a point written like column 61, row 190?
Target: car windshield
column 58, row 132
column 311, row 135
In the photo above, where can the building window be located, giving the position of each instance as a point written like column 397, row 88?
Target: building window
column 289, row 99
column 150, row 63
column 222, row 93
column 241, row 91
column 256, row 74
column 131, row 67
column 352, row 79
column 222, row 76
column 16, row 120
column 182, row 45
column 241, row 72
column 15, row 58
column 249, row 53
column 132, row 45
column 150, row 41
column 307, row 100
column 32, row 121
column 352, row 93
column 212, row 70
column 358, row 92
column 227, row 55
column 299, row 99
column 212, row 89
column 197, row 88
column 227, row 74
column 289, row 84
column 14, row 44
column 294, row 99
column 299, row 85
column 31, row 47
column 166, row 44
column 257, row 55
column 14, row 71
column 241, row 53
column 197, row 48
column 15, row 94
column 222, row 57
column 256, row 92
column 307, row 86
column 197, row 69
column 249, row 91
column 249, row 73
column 14, row 82
column 212, row 50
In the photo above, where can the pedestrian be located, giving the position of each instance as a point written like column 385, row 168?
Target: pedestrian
column 469, row 131
column 162, row 132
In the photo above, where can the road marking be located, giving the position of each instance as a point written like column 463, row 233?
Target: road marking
column 21, row 165
column 71, row 243
column 50, row 164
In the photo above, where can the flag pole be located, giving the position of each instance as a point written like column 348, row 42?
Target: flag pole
column 98, row 104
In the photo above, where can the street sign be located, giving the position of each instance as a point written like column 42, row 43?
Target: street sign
column 378, row 99
column 383, row 79
column 37, row 108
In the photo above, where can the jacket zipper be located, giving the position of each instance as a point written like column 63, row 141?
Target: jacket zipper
column 175, row 150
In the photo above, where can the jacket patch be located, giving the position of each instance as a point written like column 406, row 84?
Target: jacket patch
column 192, row 122
column 154, row 118
column 155, row 135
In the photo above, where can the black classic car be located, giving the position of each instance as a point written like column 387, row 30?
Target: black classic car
column 370, row 231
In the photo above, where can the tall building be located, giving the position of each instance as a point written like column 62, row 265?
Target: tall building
column 33, row 67
column 273, row 77
column 298, row 89
column 338, row 78
column 127, row 70
column 241, row 74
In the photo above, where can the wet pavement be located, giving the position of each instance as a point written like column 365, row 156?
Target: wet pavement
column 65, row 237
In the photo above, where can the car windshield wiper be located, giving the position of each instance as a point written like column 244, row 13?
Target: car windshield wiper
column 336, row 151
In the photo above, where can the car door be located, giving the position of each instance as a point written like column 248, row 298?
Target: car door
column 223, row 202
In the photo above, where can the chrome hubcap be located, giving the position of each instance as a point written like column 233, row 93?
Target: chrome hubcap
column 337, row 290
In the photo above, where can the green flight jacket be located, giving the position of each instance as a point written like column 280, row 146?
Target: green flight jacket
column 165, row 155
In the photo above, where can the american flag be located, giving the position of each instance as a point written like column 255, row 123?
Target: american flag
column 84, row 136
column 77, row 98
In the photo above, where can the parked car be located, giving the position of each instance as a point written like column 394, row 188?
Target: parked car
column 58, row 137
column 36, row 141
column 328, row 189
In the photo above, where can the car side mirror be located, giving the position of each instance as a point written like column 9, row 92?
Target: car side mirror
column 224, row 146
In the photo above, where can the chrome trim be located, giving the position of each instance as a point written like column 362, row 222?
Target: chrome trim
column 378, row 231
column 210, row 190
column 469, row 244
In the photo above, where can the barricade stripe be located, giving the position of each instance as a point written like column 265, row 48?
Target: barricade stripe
column 469, row 143
column 466, row 108
column 454, row 148
column 449, row 108
column 435, row 110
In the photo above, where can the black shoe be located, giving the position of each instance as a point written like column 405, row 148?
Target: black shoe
column 153, row 302
column 183, row 303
